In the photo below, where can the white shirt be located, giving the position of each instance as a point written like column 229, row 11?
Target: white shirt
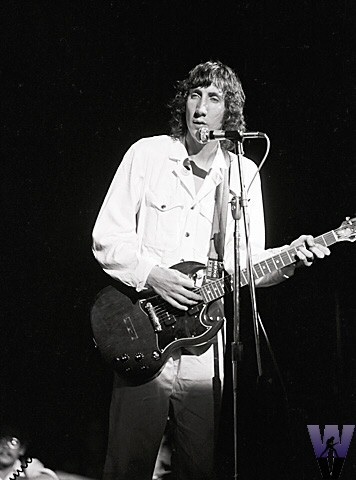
column 152, row 215
column 34, row 469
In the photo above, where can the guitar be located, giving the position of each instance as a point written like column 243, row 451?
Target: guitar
column 137, row 332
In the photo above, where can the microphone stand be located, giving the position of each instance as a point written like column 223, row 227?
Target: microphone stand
column 238, row 208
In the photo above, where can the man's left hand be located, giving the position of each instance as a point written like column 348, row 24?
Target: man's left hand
column 307, row 252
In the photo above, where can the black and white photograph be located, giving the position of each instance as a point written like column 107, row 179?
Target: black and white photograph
column 179, row 225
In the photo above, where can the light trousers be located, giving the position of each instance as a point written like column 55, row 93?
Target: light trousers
column 188, row 390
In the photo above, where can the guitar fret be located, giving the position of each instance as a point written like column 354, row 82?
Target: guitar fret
column 258, row 270
column 220, row 288
column 274, row 263
column 321, row 238
column 211, row 290
column 330, row 238
column 278, row 261
column 210, row 293
column 206, row 293
column 270, row 264
column 265, row 268
column 215, row 289
column 294, row 251
column 286, row 258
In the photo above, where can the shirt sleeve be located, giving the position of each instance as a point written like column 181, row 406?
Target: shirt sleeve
column 36, row 468
column 255, row 218
column 115, row 238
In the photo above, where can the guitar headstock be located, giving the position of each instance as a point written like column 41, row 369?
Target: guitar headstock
column 347, row 230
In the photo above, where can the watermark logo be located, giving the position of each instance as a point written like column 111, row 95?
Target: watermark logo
column 331, row 444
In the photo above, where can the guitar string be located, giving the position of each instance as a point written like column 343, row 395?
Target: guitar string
column 162, row 307
column 161, row 301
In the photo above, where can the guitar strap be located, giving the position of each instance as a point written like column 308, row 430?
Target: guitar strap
column 217, row 240
column 215, row 269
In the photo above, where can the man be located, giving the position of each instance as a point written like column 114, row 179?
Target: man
column 13, row 463
column 158, row 212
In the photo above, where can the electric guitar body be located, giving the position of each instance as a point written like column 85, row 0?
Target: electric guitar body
column 138, row 332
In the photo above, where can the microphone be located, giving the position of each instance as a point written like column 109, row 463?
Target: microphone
column 204, row 135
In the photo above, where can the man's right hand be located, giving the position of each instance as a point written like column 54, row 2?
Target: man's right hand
column 174, row 287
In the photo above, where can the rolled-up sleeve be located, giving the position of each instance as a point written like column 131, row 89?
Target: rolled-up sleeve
column 115, row 237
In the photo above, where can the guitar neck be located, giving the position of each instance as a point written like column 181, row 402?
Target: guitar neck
column 218, row 288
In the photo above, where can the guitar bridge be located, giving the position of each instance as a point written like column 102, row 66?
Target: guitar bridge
column 152, row 315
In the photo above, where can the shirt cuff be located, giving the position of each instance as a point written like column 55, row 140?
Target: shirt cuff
column 142, row 271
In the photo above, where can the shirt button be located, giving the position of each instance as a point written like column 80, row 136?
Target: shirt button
column 187, row 234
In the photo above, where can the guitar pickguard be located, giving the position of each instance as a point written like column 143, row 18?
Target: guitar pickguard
column 171, row 324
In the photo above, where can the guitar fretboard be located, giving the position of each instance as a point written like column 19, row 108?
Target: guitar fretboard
column 218, row 288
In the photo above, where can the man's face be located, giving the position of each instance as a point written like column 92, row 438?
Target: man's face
column 205, row 107
column 10, row 450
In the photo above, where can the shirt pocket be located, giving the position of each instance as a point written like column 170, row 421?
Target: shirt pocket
column 207, row 210
column 164, row 220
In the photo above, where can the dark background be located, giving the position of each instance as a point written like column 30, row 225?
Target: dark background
column 82, row 80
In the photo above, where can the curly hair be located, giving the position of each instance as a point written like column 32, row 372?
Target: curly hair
column 204, row 75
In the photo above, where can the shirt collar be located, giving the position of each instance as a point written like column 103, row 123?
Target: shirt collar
column 178, row 152
column 220, row 162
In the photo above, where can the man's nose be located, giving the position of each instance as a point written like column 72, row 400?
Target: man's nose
column 201, row 109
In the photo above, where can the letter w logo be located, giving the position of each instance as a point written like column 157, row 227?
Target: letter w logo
column 331, row 443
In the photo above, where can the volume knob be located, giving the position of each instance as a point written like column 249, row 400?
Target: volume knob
column 123, row 358
column 156, row 355
column 139, row 357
